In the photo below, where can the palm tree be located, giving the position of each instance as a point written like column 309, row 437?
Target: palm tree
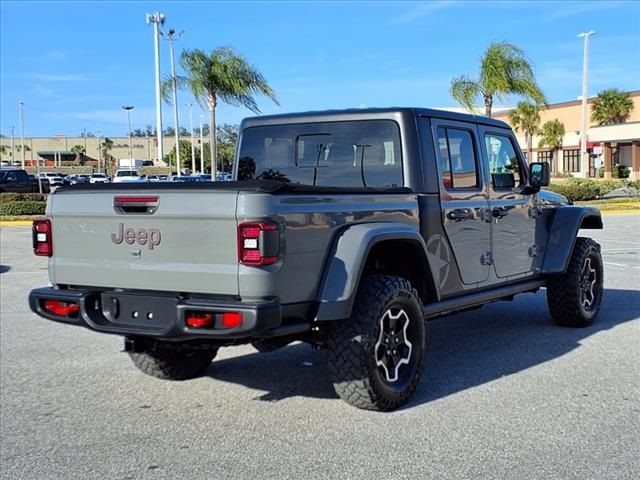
column 222, row 75
column 504, row 70
column 551, row 134
column 79, row 151
column 611, row 106
column 526, row 117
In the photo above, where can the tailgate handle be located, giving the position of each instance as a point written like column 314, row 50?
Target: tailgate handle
column 146, row 205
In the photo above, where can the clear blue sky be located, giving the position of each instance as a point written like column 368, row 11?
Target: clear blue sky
column 74, row 64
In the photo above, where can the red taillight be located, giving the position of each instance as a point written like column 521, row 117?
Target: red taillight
column 231, row 319
column 62, row 309
column 258, row 243
column 199, row 319
column 42, row 245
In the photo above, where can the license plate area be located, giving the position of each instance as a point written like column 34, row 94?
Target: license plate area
column 139, row 310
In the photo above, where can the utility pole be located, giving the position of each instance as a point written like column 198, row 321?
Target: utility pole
column 84, row 134
column 21, row 103
column 584, row 157
column 98, row 134
column 193, row 147
column 172, row 38
column 201, row 147
column 157, row 19
column 128, row 108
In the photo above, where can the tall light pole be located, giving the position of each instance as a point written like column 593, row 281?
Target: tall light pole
column 157, row 19
column 584, row 158
column 13, row 145
column 201, row 146
column 172, row 38
column 128, row 108
column 22, row 149
column 193, row 147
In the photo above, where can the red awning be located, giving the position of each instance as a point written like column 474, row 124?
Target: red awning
column 590, row 145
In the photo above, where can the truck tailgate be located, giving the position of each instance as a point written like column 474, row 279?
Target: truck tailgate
column 177, row 241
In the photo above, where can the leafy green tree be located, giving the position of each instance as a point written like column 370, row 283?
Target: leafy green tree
column 504, row 70
column 611, row 106
column 526, row 118
column 221, row 75
column 551, row 134
column 227, row 139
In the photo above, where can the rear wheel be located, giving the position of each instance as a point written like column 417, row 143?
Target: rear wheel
column 173, row 362
column 375, row 357
column 574, row 298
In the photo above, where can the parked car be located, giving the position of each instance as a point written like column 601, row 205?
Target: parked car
column 17, row 181
column 411, row 214
column 126, row 175
column 223, row 177
column 99, row 178
column 53, row 179
column 184, row 179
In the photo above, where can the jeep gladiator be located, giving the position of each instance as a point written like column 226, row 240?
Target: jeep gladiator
column 344, row 229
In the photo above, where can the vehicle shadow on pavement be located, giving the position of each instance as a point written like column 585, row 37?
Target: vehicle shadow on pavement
column 295, row 370
column 505, row 338
column 4, row 268
column 463, row 350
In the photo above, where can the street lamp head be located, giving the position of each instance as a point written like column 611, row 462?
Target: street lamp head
column 586, row 34
column 127, row 107
column 155, row 18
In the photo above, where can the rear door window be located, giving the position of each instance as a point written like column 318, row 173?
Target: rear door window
column 363, row 153
column 458, row 159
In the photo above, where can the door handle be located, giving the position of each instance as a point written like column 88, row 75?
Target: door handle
column 459, row 214
column 499, row 212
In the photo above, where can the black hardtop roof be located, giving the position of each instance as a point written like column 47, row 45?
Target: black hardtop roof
column 367, row 114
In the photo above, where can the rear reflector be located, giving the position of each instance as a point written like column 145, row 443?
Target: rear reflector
column 231, row 319
column 61, row 309
column 42, row 244
column 199, row 319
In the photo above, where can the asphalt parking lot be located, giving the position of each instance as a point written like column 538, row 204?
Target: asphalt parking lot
column 505, row 394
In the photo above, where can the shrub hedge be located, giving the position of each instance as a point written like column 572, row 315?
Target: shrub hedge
column 22, row 197
column 577, row 189
column 22, row 208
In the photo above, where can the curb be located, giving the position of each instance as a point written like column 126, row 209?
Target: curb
column 16, row 223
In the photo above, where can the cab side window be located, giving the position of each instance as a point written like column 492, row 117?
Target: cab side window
column 504, row 166
column 458, row 164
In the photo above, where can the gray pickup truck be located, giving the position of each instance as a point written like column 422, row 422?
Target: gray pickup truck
column 344, row 229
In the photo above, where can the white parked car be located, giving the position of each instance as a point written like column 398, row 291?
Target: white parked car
column 54, row 179
column 126, row 175
column 99, row 178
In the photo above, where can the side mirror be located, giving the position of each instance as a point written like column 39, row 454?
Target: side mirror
column 539, row 174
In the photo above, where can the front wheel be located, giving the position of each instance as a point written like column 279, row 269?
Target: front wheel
column 574, row 298
column 376, row 356
column 173, row 362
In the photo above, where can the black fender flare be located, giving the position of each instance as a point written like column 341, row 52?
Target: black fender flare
column 563, row 231
column 345, row 266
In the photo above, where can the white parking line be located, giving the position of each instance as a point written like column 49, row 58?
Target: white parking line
column 621, row 265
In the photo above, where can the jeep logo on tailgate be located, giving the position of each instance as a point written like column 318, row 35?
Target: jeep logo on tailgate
column 143, row 236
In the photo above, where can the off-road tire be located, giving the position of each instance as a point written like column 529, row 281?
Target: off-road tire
column 352, row 343
column 169, row 362
column 565, row 292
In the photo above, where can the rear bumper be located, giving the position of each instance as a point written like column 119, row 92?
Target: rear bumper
column 160, row 315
